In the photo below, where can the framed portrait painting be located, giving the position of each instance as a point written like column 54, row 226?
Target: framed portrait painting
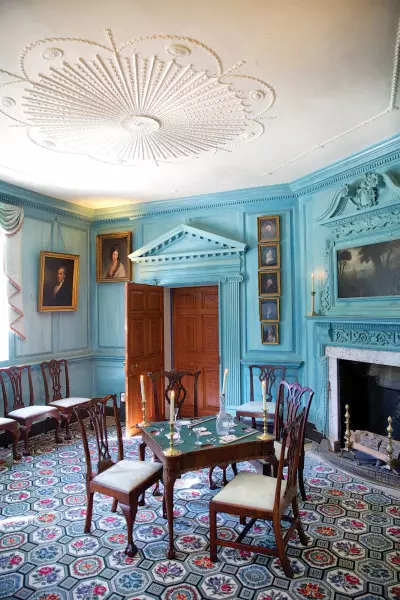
column 269, row 283
column 268, row 229
column 270, row 333
column 58, row 282
column 269, row 256
column 112, row 262
column 269, row 309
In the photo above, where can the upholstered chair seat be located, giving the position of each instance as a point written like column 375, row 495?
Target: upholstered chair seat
column 257, row 407
column 33, row 412
column 252, row 490
column 6, row 423
column 126, row 475
column 68, row 402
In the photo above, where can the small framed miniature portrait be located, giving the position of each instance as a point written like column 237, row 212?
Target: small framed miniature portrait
column 269, row 256
column 112, row 262
column 269, row 309
column 269, row 283
column 268, row 229
column 270, row 333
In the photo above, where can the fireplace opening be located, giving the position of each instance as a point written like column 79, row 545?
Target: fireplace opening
column 372, row 392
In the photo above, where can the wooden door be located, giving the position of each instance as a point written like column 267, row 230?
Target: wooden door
column 195, row 343
column 144, row 348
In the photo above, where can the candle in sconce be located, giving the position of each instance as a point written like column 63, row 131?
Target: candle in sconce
column 142, row 389
column 264, row 394
column 312, row 282
column 172, row 407
column 224, row 382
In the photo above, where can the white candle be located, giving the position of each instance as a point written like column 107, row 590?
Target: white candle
column 264, row 394
column 172, row 407
column 224, row 382
column 312, row 282
column 142, row 389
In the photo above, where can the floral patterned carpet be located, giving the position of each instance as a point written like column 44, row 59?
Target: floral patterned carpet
column 354, row 532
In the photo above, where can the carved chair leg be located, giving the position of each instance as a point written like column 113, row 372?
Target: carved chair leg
column 234, row 469
column 57, row 436
column 224, row 479
column 212, row 485
column 302, row 536
column 300, row 475
column 142, row 501
column 242, row 520
column 129, row 513
column 5, row 439
column 114, row 505
column 66, row 421
column 281, row 547
column 156, row 491
column 89, row 511
column 164, row 508
column 16, row 435
column 213, row 533
column 25, row 435
column 253, row 423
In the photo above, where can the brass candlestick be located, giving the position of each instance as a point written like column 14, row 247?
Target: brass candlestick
column 312, row 313
column 265, row 435
column 171, row 451
column 389, row 449
column 145, row 422
column 347, row 436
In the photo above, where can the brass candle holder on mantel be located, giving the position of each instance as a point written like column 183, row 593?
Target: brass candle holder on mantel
column 171, row 451
column 312, row 312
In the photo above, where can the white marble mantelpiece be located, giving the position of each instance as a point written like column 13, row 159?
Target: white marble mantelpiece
column 335, row 353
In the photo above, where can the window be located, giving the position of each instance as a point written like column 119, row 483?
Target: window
column 3, row 305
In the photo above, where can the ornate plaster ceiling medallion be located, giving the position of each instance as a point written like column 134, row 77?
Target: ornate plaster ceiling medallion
column 153, row 99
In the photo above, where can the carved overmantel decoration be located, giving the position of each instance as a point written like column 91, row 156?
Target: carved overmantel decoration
column 365, row 211
column 186, row 256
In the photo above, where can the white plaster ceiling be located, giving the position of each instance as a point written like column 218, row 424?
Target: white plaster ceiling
column 111, row 103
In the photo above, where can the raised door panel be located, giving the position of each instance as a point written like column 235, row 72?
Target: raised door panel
column 211, row 390
column 155, row 301
column 136, row 300
column 210, row 334
column 155, row 336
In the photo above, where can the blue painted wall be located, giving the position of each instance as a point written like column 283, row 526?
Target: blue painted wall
column 93, row 337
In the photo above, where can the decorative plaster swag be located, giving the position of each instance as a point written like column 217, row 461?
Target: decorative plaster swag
column 11, row 220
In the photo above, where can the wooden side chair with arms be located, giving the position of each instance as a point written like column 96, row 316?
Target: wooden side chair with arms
column 260, row 497
column 10, row 426
column 123, row 480
column 272, row 375
column 292, row 397
column 13, row 377
column 55, row 377
column 174, row 378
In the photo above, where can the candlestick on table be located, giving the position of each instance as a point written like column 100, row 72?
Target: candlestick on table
column 264, row 394
column 172, row 407
column 145, row 422
column 224, row 382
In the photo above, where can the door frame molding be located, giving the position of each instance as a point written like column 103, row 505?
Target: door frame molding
column 207, row 259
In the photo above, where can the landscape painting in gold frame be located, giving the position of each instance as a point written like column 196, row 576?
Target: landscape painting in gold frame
column 58, row 282
column 112, row 262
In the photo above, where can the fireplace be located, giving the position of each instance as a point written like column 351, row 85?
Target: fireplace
column 367, row 380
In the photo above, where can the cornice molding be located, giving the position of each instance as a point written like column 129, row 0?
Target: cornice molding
column 371, row 158
column 30, row 199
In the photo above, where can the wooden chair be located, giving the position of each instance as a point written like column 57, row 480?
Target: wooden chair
column 271, row 375
column 25, row 415
column 174, row 383
column 55, row 377
column 291, row 399
column 11, row 426
column 260, row 497
column 123, row 480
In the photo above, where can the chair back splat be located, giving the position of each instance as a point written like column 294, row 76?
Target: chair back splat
column 96, row 409
column 292, row 397
column 268, row 373
column 53, row 372
column 174, row 378
column 292, row 436
column 15, row 376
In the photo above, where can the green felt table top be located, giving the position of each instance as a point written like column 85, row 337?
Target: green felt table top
column 159, row 432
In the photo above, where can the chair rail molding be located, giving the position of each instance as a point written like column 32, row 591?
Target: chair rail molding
column 187, row 256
